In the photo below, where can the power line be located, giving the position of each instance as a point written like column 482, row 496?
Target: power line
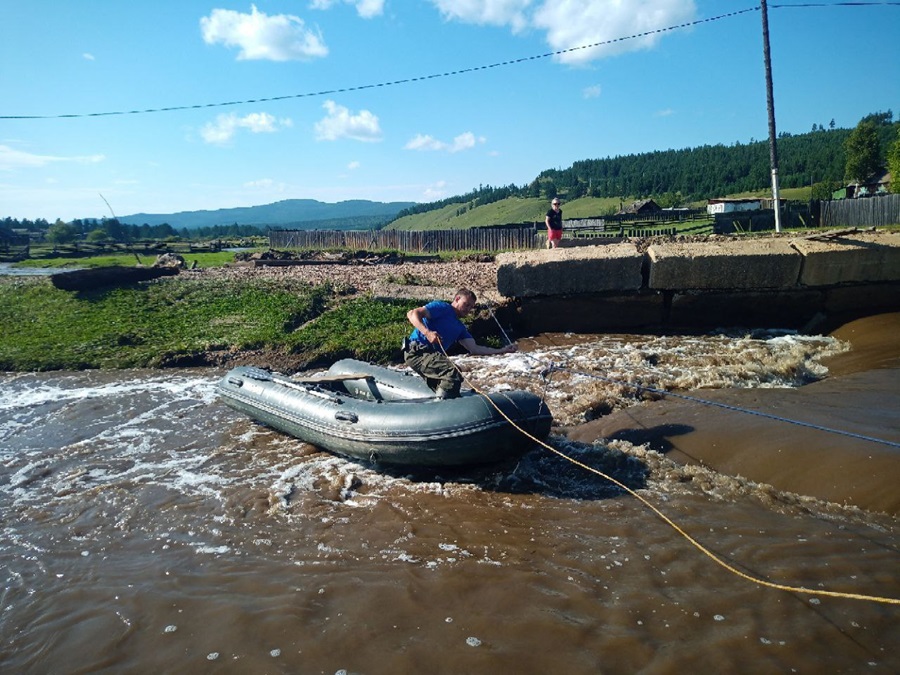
column 391, row 83
column 462, row 71
column 803, row 5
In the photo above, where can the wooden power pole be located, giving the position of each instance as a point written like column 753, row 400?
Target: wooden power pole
column 770, row 105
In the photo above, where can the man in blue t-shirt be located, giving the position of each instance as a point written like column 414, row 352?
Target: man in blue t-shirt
column 436, row 328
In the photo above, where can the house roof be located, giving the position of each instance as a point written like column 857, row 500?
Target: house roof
column 882, row 177
column 635, row 207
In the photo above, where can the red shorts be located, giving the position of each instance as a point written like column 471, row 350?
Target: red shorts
column 554, row 235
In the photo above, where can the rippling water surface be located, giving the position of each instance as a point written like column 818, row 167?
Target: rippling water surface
column 146, row 526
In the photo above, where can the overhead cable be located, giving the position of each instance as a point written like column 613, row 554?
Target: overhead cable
column 392, row 83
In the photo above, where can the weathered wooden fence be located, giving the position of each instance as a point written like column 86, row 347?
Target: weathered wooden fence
column 13, row 246
column 435, row 241
column 875, row 211
column 417, row 241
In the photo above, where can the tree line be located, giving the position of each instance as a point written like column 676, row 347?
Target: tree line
column 98, row 231
column 823, row 159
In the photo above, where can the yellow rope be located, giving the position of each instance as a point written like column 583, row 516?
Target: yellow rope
column 673, row 524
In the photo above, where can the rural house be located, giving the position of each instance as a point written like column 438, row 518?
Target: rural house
column 641, row 207
column 876, row 184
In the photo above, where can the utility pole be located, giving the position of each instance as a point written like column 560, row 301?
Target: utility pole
column 770, row 105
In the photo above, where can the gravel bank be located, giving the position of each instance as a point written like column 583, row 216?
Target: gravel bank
column 427, row 280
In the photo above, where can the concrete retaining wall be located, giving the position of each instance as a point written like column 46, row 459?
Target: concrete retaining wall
column 591, row 269
column 774, row 281
column 751, row 264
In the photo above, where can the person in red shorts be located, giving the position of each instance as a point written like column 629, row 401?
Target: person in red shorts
column 554, row 224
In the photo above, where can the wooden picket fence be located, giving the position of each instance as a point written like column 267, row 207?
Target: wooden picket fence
column 415, row 241
column 875, row 211
column 437, row 241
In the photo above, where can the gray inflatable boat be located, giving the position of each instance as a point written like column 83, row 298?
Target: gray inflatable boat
column 382, row 415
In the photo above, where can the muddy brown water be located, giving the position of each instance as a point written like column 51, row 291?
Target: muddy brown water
column 148, row 528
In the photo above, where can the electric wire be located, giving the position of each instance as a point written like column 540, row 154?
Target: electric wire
column 391, row 83
column 451, row 73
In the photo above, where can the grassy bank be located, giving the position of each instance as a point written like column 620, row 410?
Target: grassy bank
column 197, row 322
column 203, row 259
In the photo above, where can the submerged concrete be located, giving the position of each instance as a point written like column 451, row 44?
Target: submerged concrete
column 804, row 283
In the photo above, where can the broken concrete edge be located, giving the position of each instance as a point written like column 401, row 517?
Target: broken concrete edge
column 752, row 264
column 807, row 310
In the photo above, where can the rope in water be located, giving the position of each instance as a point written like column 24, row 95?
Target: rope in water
column 666, row 519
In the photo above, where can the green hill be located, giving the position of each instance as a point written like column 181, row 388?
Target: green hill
column 511, row 210
column 286, row 214
column 686, row 177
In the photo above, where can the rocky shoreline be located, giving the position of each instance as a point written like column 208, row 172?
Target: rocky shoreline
column 425, row 280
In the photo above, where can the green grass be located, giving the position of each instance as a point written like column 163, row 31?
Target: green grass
column 203, row 260
column 511, row 210
column 363, row 328
column 189, row 322
column 145, row 325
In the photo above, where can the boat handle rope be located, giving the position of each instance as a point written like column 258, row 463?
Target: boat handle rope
column 666, row 519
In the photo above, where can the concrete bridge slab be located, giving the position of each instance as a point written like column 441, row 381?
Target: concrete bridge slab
column 851, row 258
column 565, row 271
column 725, row 265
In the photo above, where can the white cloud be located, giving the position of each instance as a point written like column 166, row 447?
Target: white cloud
column 574, row 23
column 365, row 8
column 435, row 192
column 591, row 92
column 424, row 142
column 281, row 37
column 352, row 166
column 464, row 141
column 88, row 56
column 11, row 159
column 665, row 112
column 223, row 129
column 341, row 123
column 571, row 24
column 489, row 12
column 266, row 185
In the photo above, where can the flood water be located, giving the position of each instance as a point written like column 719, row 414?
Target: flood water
column 146, row 527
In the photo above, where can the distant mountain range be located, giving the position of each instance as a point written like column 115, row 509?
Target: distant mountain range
column 289, row 213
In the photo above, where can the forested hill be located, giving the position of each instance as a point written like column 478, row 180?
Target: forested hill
column 289, row 213
column 674, row 177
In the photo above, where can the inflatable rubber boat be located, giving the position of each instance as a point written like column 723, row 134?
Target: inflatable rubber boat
column 378, row 414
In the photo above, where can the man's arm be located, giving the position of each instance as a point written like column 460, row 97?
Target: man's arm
column 473, row 347
column 415, row 316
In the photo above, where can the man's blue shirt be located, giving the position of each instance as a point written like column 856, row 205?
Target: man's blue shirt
column 442, row 319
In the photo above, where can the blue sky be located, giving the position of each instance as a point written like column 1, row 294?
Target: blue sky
column 424, row 140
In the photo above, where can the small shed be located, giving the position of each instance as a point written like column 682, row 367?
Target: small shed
column 878, row 183
column 641, row 207
column 724, row 205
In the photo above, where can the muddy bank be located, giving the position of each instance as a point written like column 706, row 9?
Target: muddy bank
column 860, row 398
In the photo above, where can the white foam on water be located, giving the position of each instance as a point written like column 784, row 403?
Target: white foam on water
column 616, row 371
column 32, row 394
